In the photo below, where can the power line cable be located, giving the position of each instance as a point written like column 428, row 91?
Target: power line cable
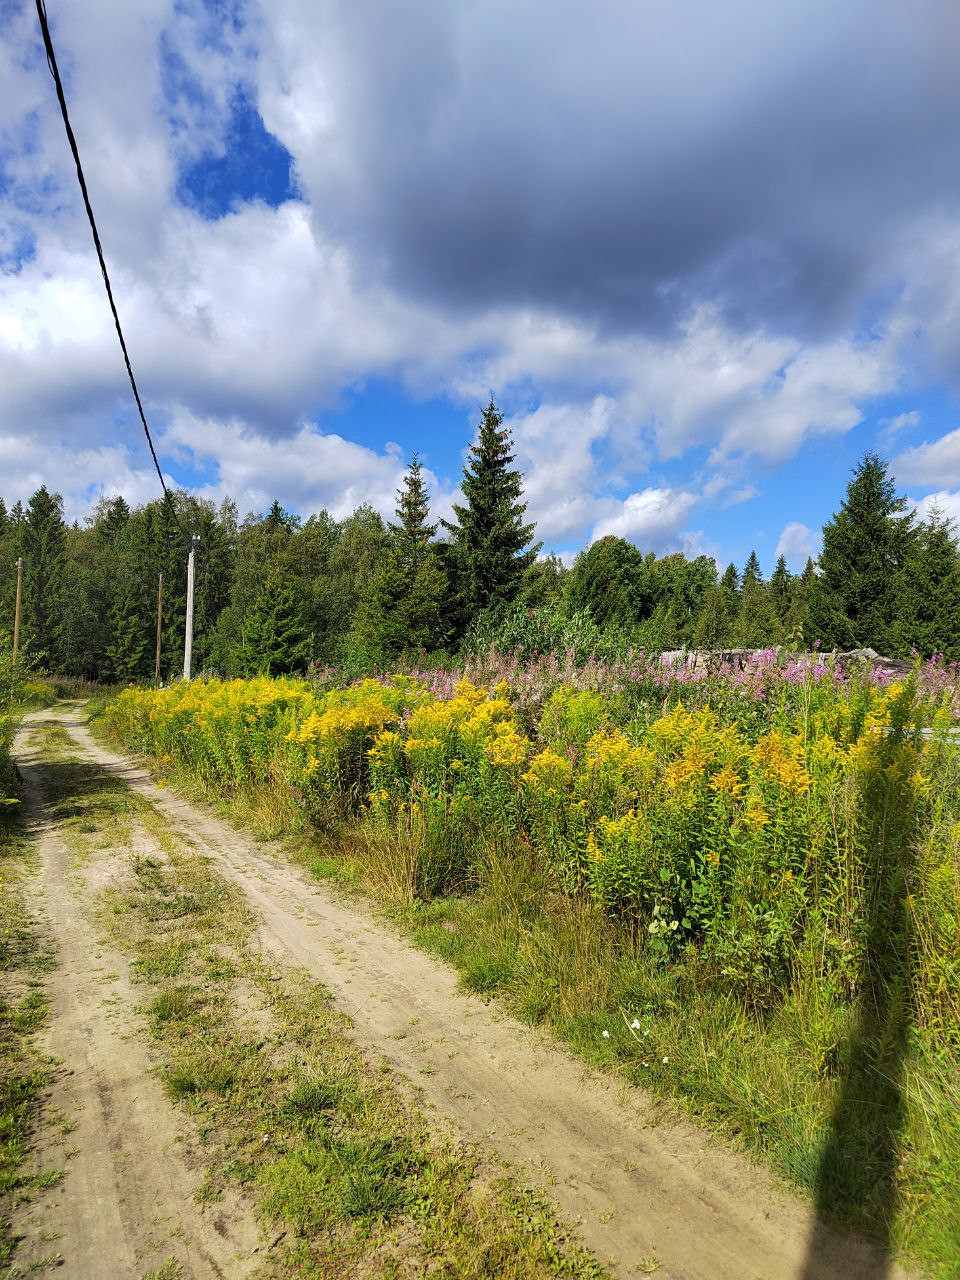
column 54, row 71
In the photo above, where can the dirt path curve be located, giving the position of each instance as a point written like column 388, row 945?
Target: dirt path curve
column 637, row 1186
column 125, row 1202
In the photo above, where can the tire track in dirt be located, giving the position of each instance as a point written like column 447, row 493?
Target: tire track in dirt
column 125, row 1201
column 636, row 1184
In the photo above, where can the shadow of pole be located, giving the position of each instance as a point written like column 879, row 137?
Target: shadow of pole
column 857, row 1176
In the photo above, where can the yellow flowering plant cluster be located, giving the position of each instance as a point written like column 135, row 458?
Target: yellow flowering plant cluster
column 753, row 839
column 460, row 754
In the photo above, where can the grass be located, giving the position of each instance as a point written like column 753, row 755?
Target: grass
column 337, row 1158
column 25, row 957
column 772, row 1081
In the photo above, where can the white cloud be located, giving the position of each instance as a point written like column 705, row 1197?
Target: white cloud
column 797, row 544
column 555, row 451
column 309, row 470
column 652, row 518
column 945, row 501
column 934, row 462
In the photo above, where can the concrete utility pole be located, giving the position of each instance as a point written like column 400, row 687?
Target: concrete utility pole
column 188, row 638
column 16, row 611
column 156, row 673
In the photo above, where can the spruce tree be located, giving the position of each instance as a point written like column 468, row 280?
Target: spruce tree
column 114, row 519
column 402, row 613
column 490, row 542
column 129, row 648
column 276, row 640
column 751, row 570
column 929, row 618
column 854, row 602
column 44, row 537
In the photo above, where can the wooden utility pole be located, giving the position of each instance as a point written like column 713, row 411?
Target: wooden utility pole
column 156, row 672
column 188, row 638
column 16, row 611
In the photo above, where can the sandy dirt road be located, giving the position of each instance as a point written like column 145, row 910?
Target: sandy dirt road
column 638, row 1187
column 125, row 1202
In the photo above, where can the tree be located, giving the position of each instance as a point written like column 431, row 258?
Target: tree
column 402, row 613
column 751, row 570
column 929, row 619
column 490, row 543
column 611, row 582
column 854, row 602
column 276, row 641
column 712, row 629
column 44, row 536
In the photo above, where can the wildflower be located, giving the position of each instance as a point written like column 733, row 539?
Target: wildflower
column 756, row 815
column 605, row 1034
column 665, row 1061
column 635, row 1025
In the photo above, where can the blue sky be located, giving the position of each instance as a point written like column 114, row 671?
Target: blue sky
column 702, row 260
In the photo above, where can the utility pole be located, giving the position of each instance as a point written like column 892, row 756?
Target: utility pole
column 188, row 638
column 156, row 673
column 16, row 611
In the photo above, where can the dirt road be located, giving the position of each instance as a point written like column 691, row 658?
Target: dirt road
column 639, row 1188
column 125, row 1203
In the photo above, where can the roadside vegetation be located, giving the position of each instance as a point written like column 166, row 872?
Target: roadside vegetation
column 25, row 957
column 740, row 888
column 346, row 1175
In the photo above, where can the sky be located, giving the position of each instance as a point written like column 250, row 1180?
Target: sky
column 702, row 256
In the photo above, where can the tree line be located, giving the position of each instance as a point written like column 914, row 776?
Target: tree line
column 276, row 593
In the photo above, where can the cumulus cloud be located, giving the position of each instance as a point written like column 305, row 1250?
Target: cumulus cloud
column 312, row 469
column 797, row 544
column 945, row 502
column 652, row 518
column 934, row 462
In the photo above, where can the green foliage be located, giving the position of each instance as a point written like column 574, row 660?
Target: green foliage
column 928, row 619
column 490, row 547
column 611, row 581
column 855, row 600
column 402, row 613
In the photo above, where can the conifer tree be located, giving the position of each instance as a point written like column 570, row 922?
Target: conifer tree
column 929, row 619
column 751, row 570
column 780, row 583
column 402, row 613
column 127, row 652
column 491, row 544
column 854, row 601
column 276, row 640
column 114, row 520
column 730, row 581
column 44, row 537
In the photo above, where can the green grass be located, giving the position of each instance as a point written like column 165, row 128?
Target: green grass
column 336, row 1156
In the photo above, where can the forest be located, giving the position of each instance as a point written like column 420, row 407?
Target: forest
column 277, row 593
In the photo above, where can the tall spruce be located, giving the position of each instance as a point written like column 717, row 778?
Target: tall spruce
column 855, row 600
column 490, row 543
column 929, row 615
column 403, row 611
column 44, row 538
